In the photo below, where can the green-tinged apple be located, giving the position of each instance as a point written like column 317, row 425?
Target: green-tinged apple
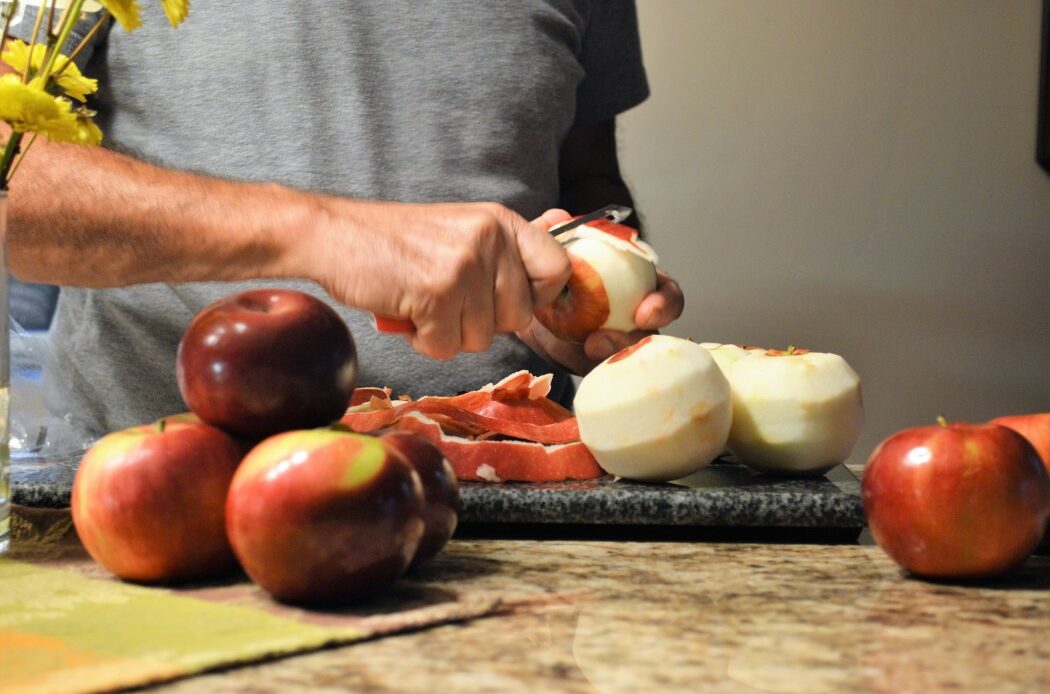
column 1035, row 428
column 324, row 516
column 795, row 412
column 267, row 360
column 612, row 271
column 726, row 354
column 148, row 501
column 440, row 490
column 956, row 501
column 658, row 410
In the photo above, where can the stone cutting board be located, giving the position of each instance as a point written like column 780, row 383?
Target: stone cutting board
column 724, row 495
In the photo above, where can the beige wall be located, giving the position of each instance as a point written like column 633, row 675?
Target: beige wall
column 856, row 176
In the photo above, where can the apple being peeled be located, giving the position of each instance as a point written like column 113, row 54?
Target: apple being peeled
column 267, row 360
column 440, row 490
column 956, row 500
column 795, row 411
column 658, row 410
column 324, row 516
column 612, row 271
column 148, row 501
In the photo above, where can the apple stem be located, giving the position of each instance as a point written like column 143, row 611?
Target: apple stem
column 791, row 349
column 942, row 421
column 161, row 423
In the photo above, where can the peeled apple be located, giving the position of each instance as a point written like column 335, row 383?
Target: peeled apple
column 726, row 354
column 658, row 410
column 794, row 411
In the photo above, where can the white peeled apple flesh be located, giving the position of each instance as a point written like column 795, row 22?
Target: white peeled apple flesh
column 726, row 354
column 612, row 271
column 658, row 410
column 795, row 412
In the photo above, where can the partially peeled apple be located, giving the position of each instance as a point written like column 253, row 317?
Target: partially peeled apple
column 795, row 412
column 612, row 271
column 658, row 410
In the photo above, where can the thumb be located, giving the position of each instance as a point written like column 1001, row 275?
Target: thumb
column 546, row 263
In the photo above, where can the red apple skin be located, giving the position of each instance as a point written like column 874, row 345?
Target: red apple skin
column 1035, row 428
column 956, row 501
column 324, row 516
column 267, row 360
column 149, row 504
column 440, row 490
column 582, row 307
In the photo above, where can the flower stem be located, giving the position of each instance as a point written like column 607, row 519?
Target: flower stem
column 10, row 150
column 69, row 18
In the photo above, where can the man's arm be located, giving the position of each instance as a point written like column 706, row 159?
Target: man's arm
column 460, row 272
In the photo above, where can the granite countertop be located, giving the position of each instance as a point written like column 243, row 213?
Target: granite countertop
column 712, row 617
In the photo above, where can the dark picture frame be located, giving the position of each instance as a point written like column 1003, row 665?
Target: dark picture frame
column 1042, row 151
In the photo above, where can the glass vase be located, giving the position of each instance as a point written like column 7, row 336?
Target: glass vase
column 5, row 370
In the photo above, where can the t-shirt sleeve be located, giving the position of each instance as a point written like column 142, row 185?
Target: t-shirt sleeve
column 22, row 28
column 611, row 55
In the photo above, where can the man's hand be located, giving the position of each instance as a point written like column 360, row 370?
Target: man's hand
column 658, row 310
column 460, row 273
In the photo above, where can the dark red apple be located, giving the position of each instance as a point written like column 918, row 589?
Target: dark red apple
column 265, row 361
column 148, row 502
column 612, row 271
column 961, row 501
column 324, row 516
column 440, row 490
column 1035, row 428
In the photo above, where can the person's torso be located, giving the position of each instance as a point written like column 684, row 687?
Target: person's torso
column 423, row 101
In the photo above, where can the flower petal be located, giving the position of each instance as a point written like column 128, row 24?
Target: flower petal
column 176, row 10
column 126, row 12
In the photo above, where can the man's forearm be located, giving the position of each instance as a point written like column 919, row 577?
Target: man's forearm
column 95, row 218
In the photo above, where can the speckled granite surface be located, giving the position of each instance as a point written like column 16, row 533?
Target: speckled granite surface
column 654, row 617
column 725, row 494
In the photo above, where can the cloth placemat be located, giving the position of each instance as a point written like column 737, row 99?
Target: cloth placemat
column 66, row 625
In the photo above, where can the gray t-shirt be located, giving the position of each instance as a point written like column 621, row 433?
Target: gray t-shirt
column 432, row 100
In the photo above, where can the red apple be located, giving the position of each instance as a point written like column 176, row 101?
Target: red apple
column 440, row 490
column 148, row 501
column 957, row 500
column 324, row 515
column 1035, row 428
column 612, row 271
column 265, row 361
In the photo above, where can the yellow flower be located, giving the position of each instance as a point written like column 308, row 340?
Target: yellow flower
column 28, row 108
column 176, row 10
column 126, row 12
column 87, row 132
column 69, row 79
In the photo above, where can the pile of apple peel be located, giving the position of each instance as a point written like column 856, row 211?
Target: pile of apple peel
column 507, row 431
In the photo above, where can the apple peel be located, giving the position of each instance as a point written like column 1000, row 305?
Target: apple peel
column 472, row 429
column 517, row 406
column 505, row 460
